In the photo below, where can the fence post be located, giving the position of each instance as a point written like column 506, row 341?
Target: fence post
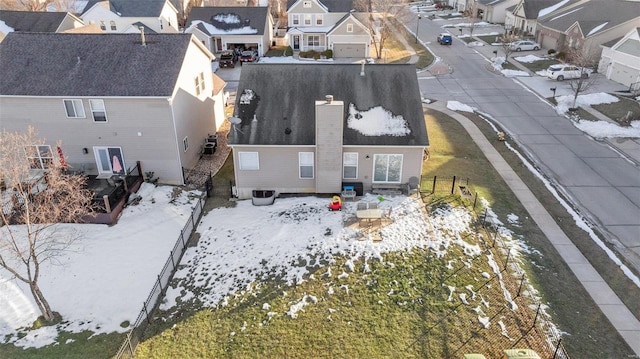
column 520, row 287
column 453, row 185
column 144, row 306
column 107, row 206
column 555, row 352
column 160, row 284
column 506, row 262
column 433, row 189
column 172, row 262
column 182, row 239
column 484, row 218
column 474, row 201
column 536, row 317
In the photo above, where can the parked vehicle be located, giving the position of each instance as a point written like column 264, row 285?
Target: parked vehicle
column 248, row 56
column 524, row 45
column 563, row 71
column 445, row 39
column 228, row 59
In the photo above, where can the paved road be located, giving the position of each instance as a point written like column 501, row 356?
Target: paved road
column 601, row 183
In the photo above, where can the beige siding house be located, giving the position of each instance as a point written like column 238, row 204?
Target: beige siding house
column 327, row 25
column 350, row 123
column 494, row 11
column 620, row 60
column 36, row 21
column 112, row 100
column 126, row 16
column 230, row 28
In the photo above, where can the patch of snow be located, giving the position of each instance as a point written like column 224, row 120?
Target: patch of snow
column 597, row 28
column 377, row 121
column 529, row 58
column 552, row 8
column 459, row 106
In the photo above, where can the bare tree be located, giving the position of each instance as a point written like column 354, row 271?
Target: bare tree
column 35, row 196
column 586, row 63
column 506, row 41
column 380, row 23
column 472, row 13
column 24, row 5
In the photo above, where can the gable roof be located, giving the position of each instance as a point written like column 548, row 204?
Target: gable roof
column 33, row 21
column 229, row 20
column 593, row 16
column 532, row 8
column 50, row 64
column 131, row 8
column 331, row 5
column 279, row 103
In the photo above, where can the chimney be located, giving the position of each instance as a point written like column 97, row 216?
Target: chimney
column 329, row 98
column 144, row 43
column 362, row 68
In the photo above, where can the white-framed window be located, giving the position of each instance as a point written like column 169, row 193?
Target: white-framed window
column 185, row 143
column 103, row 26
column 202, row 81
column 113, row 25
column 306, row 4
column 248, row 161
column 350, row 165
column 306, row 164
column 197, row 81
column 74, row 108
column 387, row 168
column 349, row 27
column 98, row 110
column 319, row 20
column 40, row 157
column 161, row 25
column 307, row 20
column 313, row 40
column 110, row 160
column 295, row 19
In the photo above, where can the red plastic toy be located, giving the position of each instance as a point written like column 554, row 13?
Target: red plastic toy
column 336, row 203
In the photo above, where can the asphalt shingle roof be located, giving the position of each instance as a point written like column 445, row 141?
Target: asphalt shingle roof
column 592, row 14
column 256, row 17
column 285, row 96
column 331, row 5
column 132, row 8
column 33, row 21
column 50, row 64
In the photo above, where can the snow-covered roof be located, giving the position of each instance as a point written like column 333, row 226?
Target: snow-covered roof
column 221, row 20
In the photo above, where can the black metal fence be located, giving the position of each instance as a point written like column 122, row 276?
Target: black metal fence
column 128, row 347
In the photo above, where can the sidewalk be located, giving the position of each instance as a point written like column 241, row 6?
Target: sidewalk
column 618, row 314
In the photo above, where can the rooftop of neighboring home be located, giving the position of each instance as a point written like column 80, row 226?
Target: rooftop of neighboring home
column 130, row 8
column 534, row 9
column 91, row 64
column 593, row 16
column 331, row 5
column 382, row 104
column 229, row 20
column 32, row 21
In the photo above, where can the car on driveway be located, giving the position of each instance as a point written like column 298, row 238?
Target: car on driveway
column 248, row 56
column 563, row 71
column 445, row 39
column 524, row 45
column 228, row 59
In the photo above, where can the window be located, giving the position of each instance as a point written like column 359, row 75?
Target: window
column 103, row 26
column 113, row 25
column 307, row 20
column 185, row 143
column 74, row 108
column 248, row 161
column 350, row 165
column 349, row 27
column 306, row 4
column 197, row 80
column 313, row 40
column 319, row 20
column 161, row 27
column 305, row 161
column 40, row 157
column 98, row 111
column 387, row 168
column 110, row 161
column 202, row 81
column 295, row 19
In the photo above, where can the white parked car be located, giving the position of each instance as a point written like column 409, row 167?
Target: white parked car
column 524, row 45
column 563, row 71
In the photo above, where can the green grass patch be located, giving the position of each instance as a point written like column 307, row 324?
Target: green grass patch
column 618, row 110
column 276, row 51
column 70, row 346
column 536, row 65
column 425, row 57
column 490, row 39
column 467, row 39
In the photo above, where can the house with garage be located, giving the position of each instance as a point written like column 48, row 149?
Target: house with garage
column 328, row 25
column 494, row 11
column 127, row 16
column 522, row 18
column 349, row 124
column 36, row 21
column 113, row 99
column 587, row 24
column 232, row 28
column 620, row 60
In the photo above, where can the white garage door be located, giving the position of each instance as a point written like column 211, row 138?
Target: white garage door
column 349, row 50
column 623, row 74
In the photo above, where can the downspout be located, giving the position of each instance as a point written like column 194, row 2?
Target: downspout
column 177, row 142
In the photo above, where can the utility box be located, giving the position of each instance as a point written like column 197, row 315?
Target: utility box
column 520, row 354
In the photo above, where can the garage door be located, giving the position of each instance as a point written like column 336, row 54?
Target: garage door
column 349, row 50
column 623, row 74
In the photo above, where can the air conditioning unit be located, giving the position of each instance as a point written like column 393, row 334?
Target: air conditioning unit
column 210, row 145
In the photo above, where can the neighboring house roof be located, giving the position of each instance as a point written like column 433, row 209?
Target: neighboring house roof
column 86, row 29
column 533, row 8
column 50, row 64
column 32, row 21
column 218, row 84
column 491, row 2
column 131, row 8
column 278, row 103
column 626, row 44
column 229, row 20
column 593, row 16
column 147, row 29
column 331, row 5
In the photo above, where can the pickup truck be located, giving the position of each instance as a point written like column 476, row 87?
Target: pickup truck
column 228, row 59
column 445, row 39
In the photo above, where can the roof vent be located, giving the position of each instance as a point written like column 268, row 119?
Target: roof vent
column 144, row 42
column 329, row 98
column 287, row 131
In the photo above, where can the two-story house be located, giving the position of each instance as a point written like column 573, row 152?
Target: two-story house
column 229, row 28
column 112, row 99
column 122, row 16
column 352, row 123
column 494, row 11
column 328, row 24
column 522, row 18
column 620, row 60
column 36, row 21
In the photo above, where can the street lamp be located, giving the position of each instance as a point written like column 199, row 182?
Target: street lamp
column 418, row 27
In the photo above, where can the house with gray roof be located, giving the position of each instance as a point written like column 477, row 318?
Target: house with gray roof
column 119, row 16
column 328, row 25
column 36, row 21
column 587, row 24
column 620, row 60
column 347, row 123
column 230, row 28
column 113, row 99
column 522, row 18
column 494, row 11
